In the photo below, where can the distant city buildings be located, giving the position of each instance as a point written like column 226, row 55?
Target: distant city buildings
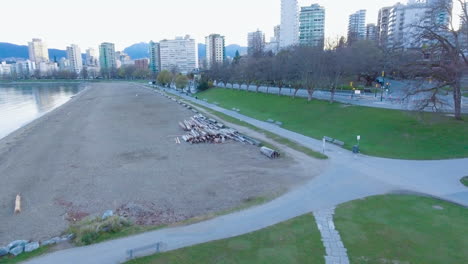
column 312, row 26
column 215, row 49
column 74, row 56
column 255, row 43
column 155, row 57
column 38, row 51
column 357, row 26
column 107, row 58
column 179, row 54
column 289, row 28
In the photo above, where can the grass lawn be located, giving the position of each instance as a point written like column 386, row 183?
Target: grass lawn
column 464, row 181
column 384, row 133
column 295, row 241
column 24, row 256
column 403, row 229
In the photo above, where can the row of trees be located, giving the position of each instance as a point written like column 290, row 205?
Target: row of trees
column 435, row 70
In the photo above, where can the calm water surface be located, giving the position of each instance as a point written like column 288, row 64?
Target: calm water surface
column 22, row 103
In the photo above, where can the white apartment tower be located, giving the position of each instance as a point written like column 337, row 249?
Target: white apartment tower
column 74, row 56
column 312, row 26
column 180, row 53
column 289, row 28
column 215, row 49
column 357, row 26
column 38, row 51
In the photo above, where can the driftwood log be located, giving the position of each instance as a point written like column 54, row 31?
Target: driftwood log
column 272, row 154
column 18, row 204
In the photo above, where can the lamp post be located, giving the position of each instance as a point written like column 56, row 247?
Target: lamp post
column 383, row 86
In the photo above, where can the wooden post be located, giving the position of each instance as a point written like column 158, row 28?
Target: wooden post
column 18, row 204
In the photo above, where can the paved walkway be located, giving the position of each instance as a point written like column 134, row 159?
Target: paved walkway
column 334, row 247
column 348, row 177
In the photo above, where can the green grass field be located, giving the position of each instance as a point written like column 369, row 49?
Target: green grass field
column 25, row 256
column 384, row 133
column 403, row 229
column 294, row 241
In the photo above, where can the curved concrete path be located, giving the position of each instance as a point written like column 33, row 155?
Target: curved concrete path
column 347, row 178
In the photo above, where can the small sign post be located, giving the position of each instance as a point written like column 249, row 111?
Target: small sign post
column 358, row 139
column 323, row 145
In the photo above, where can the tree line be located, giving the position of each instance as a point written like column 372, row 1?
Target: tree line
column 435, row 69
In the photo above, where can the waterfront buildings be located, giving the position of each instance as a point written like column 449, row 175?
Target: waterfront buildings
column 312, row 26
column 74, row 56
column 179, row 54
column 155, row 58
column 255, row 43
column 215, row 49
column 38, row 51
column 357, row 26
column 107, row 59
column 289, row 28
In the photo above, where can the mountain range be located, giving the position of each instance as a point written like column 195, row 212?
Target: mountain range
column 8, row 50
column 135, row 51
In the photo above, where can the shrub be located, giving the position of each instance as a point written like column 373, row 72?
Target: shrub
column 88, row 231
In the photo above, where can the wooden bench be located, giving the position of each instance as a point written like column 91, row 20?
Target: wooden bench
column 334, row 141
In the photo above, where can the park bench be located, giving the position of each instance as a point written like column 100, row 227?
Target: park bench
column 334, row 141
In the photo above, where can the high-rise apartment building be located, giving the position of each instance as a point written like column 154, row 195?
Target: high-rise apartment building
column 107, row 58
column 357, row 26
column 382, row 25
column 403, row 30
column 91, row 57
column 255, row 43
column 215, row 49
column 180, row 53
column 312, row 26
column 155, row 57
column 289, row 28
column 74, row 56
column 142, row 64
column 277, row 33
column 38, row 51
column 371, row 32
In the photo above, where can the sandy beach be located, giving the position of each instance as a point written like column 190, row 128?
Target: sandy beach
column 112, row 147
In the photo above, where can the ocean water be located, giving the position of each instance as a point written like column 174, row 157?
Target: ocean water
column 22, row 103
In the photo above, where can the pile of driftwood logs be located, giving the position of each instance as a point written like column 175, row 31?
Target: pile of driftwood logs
column 207, row 130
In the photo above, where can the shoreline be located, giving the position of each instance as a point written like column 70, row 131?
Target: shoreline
column 43, row 114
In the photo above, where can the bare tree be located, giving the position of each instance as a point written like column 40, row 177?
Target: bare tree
column 442, row 61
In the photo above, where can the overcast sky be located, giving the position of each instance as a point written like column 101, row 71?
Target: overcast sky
column 90, row 22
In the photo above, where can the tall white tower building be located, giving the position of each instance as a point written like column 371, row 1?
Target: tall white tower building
column 215, row 50
column 38, row 51
column 289, row 29
column 74, row 56
column 180, row 53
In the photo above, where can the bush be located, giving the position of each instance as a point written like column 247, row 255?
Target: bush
column 89, row 230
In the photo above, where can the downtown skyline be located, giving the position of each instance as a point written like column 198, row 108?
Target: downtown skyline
column 127, row 25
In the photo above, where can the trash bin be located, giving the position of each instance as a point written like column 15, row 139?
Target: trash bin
column 355, row 149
